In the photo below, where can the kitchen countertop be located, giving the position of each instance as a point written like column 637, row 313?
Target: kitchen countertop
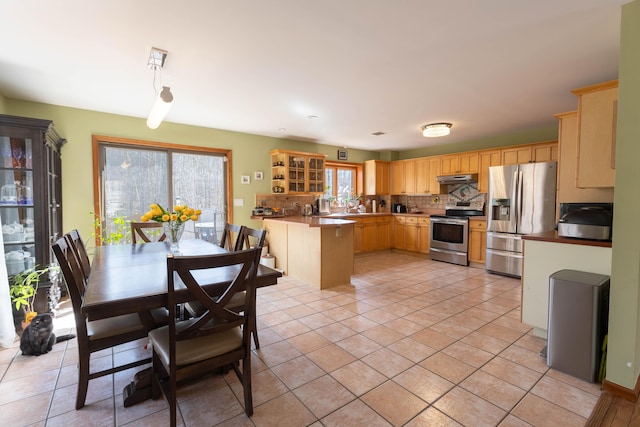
column 314, row 220
column 552, row 236
column 337, row 215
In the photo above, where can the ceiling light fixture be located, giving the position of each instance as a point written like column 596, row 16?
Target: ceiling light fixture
column 436, row 129
column 164, row 98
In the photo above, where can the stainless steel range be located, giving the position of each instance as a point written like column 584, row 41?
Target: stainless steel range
column 449, row 240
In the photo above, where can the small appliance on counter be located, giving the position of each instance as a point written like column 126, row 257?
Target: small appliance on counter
column 591, row 221
column 399, row 208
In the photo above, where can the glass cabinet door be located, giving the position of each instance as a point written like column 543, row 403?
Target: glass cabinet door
column 30, row 200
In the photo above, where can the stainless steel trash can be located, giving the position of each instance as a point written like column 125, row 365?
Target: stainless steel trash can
column 578, row 320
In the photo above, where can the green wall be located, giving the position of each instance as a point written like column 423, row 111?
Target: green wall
column 623, row 359
column 250, row 153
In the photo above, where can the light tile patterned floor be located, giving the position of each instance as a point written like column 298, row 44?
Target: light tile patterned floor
column 411, row 342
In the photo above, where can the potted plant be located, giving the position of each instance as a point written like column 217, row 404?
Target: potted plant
column 23, row 288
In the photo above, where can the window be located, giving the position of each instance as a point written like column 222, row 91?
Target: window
column 343, row 181
column 133, row 174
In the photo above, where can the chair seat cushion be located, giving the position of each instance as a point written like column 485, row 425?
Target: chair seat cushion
column 195, row 349
column 112, row 326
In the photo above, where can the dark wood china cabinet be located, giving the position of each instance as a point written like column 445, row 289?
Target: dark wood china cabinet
column 30, row 200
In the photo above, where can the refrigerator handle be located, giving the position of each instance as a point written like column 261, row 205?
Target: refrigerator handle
column 519, row 201
column 514, row 216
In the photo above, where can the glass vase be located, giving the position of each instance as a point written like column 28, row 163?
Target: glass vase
column 173, row 230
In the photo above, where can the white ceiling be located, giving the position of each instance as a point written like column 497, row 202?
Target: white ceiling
column 488, row 66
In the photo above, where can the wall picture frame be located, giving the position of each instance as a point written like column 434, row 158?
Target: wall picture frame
column 342, row 154
column 245, row 179
column 258, row 176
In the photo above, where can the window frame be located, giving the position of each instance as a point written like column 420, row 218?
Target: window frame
column 358, row 168
column 98, row 140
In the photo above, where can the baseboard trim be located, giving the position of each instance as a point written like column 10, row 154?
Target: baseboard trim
column 625, row 393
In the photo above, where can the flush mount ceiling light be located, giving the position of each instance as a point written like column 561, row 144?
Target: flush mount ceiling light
column 164, row 98
column 436, row 129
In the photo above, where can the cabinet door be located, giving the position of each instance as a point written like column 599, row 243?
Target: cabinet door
column 315, row 177
column 357, row 237
column 422, row 176
column 487, row 159
column 399, row 240
column 449, row 165
column 369, row 238
column 596, row 138
column 376, row 178
column 423, row 235
column 434, row 171
column 516, row 155
column 383, row 226
column 397, row 177
column 409, row 176
column 544, row 152
column 468, row 162
column 477, row 240
column 411, row 234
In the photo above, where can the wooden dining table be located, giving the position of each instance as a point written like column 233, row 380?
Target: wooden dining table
column 129, row 279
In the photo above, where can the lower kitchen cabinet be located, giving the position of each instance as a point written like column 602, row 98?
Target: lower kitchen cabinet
column 399, row 227
column 477, row 240
column 424, row 235
column 369, row 234
column 411, row 234
column 383, row 231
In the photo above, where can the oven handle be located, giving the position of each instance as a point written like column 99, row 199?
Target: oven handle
column 449, row 221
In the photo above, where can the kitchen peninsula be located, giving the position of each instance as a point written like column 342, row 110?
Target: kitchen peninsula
column 317, row 250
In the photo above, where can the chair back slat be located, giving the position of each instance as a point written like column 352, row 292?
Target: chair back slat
column 141, row 232
column 250, row 238
column 73, row 277
column 77, row 245
column 216, row 317
column 230, row 236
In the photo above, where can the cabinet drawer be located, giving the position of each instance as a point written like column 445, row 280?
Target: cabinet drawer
column 369, row 220
column 412, row 220
column 424, row 221
column 478, row 225
column 383, row 219
column 399, row 219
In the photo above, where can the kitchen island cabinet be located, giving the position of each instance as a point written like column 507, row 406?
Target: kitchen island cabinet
column 546, row 253
column 316, row 250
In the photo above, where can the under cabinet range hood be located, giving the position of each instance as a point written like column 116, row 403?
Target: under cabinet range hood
column 457, row 179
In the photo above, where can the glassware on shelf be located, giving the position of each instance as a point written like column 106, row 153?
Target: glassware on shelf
column 18, row 155
column 9, row 193
column 6, row 154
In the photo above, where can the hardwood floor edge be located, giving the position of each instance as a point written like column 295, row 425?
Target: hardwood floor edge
column 625, row 393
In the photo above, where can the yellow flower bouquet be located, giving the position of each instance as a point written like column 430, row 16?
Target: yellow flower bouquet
column 172, row 222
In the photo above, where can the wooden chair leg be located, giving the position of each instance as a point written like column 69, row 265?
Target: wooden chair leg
column 254, row 331
column 83, row 381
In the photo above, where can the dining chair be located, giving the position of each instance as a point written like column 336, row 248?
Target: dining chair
column 101, row 334
column 145, row 231
column 79, row 249
column 238, row 302
column 218, row 338
column 249, row 238
column 228, row 241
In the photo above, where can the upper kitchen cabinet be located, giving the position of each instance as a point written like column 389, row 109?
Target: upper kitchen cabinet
column 452, row 164
column 488, row 158
column 297, row 172
column 540, row 152
column 403, row 180
column 30, row 199
column 376, row 178
column 597, row 117
column 422, row 176
column 568, row 190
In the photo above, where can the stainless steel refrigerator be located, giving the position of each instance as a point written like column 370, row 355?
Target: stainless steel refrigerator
column 522, row 200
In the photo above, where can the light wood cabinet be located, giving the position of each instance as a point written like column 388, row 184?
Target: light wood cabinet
column 297, row 172
column 399, row 227
column 383, row 232
column 369, row 234
column 488, row 158
column 424, row 234
column 568, row 190
column 452, row 164
column 541, row 152
column 376, row 178
column 422, row 176
column 403, row 178
column 357, row 236
column 411, row 234
column 477, row 240
column 597, row 118
column 434, row 171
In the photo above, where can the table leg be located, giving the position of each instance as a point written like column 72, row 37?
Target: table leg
column 139, row 389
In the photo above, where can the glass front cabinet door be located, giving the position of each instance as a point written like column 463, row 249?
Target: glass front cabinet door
column 30, row 202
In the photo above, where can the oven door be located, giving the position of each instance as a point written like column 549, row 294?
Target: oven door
column 449, row 234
